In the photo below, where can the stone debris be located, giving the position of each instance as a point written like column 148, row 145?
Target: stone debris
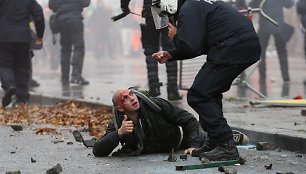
column 13, row 172
column 33, row 160
column 303, row 112
column 268, row 167
column 183, row 157
column 172, row 156
column 55, row 170
column 16, row 127
column 265, row 146
column 227, row 170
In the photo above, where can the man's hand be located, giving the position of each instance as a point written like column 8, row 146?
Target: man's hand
column 162, row 56
column 39, row 41
column 125, row 6
column 189, row 150
column 126, row 127
column 172, row 31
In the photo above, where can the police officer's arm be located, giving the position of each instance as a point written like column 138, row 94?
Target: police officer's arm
column 107, row 143
column 288, row 3
column 301, row 7
column 38, row 18
column 191, row 31
column 255, row 3
column 124, row 4
column 53, row 5
column 84, row 3
column 183, row 118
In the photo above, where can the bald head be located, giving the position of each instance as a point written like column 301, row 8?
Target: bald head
column 116, row 96
column 125, row 100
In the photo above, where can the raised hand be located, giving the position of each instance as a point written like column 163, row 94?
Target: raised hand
column 127, row 127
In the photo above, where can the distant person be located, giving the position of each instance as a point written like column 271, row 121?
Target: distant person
column 32, row 82
column 301, row 10
column 281, row 35
column 15, row 39
column 71, row 27
column 101, row 29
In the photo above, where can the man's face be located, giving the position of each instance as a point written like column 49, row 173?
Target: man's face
column 127, row 100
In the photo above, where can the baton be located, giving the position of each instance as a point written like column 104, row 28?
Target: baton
column 119, row 16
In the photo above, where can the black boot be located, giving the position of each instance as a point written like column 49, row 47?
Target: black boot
column 154, row 89
column 79, row 80
column 206, row 148
column 173, row 94
column 7, row 98
column 222, row 152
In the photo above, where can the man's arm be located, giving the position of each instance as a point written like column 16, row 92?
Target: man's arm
column 84, row 3
column 183, row 118
column 301, row 7
column 53, row 5
column 288, row 3
column 107, row 143
column 191, row 30
column 38, row 18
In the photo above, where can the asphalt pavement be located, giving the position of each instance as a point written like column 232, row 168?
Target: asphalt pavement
column 283, row 126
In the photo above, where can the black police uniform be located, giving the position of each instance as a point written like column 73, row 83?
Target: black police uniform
column 71, row 27
column 156, row 131
column 274, row 9
column 231, row 44
column 15, row 38
column 152, row 39
column 301, row 10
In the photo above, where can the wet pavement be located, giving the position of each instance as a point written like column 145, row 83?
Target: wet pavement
column 283, row 126
column 107, row 75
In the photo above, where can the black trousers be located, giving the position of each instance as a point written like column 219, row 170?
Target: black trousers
column 205, row 97
column 152, row 40
column 15, row 65
column 72, row 38
column 281, row 49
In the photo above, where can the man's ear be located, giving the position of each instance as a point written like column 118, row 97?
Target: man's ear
column 120, row 108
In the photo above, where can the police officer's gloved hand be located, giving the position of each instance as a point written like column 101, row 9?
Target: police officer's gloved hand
column 125, row 6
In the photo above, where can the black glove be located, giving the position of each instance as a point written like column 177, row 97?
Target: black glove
column 125, row 6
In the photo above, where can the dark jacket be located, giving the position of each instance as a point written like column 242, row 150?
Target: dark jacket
column 15, row 18
column 159, row 130
column 274, row 9
column 301, row 10
column 215, row 29
column 68, row 9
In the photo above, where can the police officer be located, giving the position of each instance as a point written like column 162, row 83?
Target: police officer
column 301, row 10
column 152, row 39
column 71, row 27
column 274, row 9
column 15, row 38
column 231, row 44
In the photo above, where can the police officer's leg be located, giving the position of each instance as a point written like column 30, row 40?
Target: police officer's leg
column 150, row 42
column 282, row 56
column 22, row 65
column 263, row 39
column 7, row 56
column 78, row 53
column 305, row 45
column 172, row 88
column 305, row 52
column 205, row 97
column 66, row 48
